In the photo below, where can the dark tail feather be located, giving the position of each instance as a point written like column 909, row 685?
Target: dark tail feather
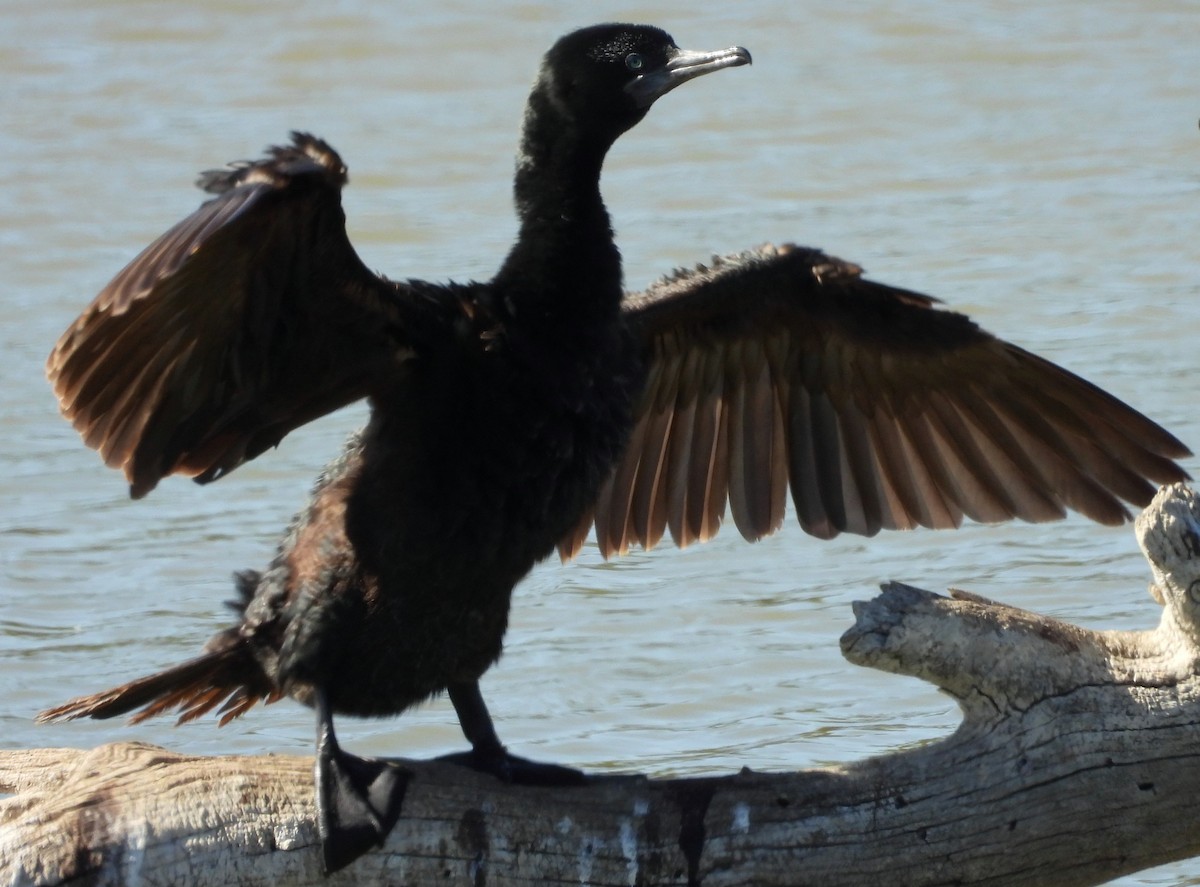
column 228, row 674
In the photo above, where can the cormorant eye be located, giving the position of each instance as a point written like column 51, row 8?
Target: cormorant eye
column 634, row 61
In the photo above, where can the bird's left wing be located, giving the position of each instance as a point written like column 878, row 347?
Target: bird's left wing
column 245, row 320
column 783, row 367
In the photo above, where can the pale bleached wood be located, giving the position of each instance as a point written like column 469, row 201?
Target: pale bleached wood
column 1078, row 760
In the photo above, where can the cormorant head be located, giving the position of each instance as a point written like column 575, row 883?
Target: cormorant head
column 606, row 77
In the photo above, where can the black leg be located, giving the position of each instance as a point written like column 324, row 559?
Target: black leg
column 488, row 755
column 358, row 799
column 473, row 716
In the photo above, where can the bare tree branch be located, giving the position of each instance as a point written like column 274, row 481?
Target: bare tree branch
column 1078, row 760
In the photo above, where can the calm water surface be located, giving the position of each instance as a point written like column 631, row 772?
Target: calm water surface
column 1037, row 167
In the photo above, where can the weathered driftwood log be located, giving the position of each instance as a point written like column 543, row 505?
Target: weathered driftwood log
column 1078, row 760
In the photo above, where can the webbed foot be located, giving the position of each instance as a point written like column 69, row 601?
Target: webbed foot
column 358, row 799
column 488, row 755
column 497, row 761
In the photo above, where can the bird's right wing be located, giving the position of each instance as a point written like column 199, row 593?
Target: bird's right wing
column 245, row 320
column 780, row 368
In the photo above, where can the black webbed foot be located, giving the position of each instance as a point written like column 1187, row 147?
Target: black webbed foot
column 358, row 799
column 488, row 755
column 497, row 761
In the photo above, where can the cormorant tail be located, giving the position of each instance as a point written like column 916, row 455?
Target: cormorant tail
column 227, row 674
column 223, row 678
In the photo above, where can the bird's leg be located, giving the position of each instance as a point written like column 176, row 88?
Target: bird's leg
column 488, row 755
column 358, row 799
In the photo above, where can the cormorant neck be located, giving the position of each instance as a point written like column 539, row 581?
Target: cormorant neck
column 564, row 252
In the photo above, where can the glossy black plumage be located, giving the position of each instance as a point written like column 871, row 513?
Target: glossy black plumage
column 508, row 418
column 497, row 410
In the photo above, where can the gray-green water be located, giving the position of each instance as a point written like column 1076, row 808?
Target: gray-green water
column 1036, row 165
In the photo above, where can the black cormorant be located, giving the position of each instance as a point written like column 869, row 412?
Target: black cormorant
column 510, row 417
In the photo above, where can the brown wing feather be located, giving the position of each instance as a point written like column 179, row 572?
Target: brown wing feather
column 784, row 367
column 245, row 320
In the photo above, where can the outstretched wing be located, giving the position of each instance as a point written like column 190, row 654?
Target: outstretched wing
column 247, row 319
column 781, row 367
